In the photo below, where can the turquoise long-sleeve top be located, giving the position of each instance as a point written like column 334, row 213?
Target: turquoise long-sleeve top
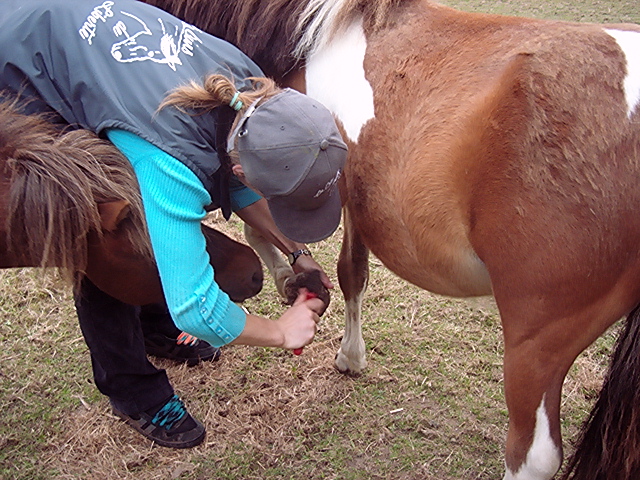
column 174, row 201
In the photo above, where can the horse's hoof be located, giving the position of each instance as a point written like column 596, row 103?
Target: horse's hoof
column 281, row 280
column 348, row 366
column 312, row 282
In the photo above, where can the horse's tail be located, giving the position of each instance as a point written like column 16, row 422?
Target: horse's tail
column 609, row 443
column 57, row 181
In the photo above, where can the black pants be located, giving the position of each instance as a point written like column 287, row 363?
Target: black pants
column 114, row 334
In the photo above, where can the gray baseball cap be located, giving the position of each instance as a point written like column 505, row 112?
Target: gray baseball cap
column 291, row 151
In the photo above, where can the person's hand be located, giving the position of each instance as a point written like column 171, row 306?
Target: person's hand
column 298, row 323
column 306, row 263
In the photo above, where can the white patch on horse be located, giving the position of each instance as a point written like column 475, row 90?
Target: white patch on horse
column 629, row 42
column 543, row 459
column 335, row 77
column 351, row 357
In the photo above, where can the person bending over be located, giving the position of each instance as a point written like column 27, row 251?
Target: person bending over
column 108, row 67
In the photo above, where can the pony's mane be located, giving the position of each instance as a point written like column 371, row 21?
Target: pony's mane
column 321, row 19
column 57, row 181
column 276, row 34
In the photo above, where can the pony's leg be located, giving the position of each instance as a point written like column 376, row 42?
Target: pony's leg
column 539, row 348
column 534, row 448
column 353, row 274
column 278, row 267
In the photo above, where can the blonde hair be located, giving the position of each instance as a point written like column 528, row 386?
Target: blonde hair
column 218, row 90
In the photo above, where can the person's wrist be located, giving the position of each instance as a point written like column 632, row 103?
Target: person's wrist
column 293, row 256
column 262, row 332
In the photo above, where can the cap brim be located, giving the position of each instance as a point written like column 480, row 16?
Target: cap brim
column 307, row 226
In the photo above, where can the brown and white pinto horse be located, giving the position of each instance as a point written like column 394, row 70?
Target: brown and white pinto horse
column 488, row 155
column 70, row 200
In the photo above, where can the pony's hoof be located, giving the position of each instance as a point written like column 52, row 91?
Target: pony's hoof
column 349, row 366
column 281, row 279
column 312, row 282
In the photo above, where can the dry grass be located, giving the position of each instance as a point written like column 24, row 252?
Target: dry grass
column 430, row 405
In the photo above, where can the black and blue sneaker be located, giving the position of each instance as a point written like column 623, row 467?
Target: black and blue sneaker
column 168, row 425
column 184, row 349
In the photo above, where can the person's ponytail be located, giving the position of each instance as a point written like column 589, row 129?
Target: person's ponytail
column 218, row 90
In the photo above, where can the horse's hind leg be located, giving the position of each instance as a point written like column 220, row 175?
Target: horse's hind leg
column 278, row 267
column 532, row 390
column 353, row 273
column 540, row 347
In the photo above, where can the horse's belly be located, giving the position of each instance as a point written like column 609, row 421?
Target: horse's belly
column 446, row 266
column 461, row 277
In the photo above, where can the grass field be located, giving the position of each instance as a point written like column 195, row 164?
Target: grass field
column 430, row 405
